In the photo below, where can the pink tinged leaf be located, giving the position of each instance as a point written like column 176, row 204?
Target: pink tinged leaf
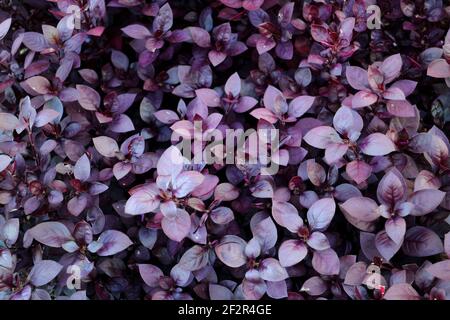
column 88, row 98
column 440, row 270
column 377, row 144
column 356, row 274
column 358, row 170
column 82, row 169
column 262, row 189
column 285, row 50
column 400, row 108
column 439, row 69
column 166, row 116
column 321, row 137
column 270, row 269
column 277, row 289
column 392, row 188
column 425, row 201
column 346, row 30
column 395, row 228
column 5, row 161
column 270, row 97
column 226, row 192
column 52, row 234
column 217, row 292
column 8, row 121
column 121, row 169
column 407, row 86
column 426, row 180
column 251, row 5
column 106, row 146
column 136, row 31
column 286, row 215
column 394, row 93
column 178, row 227
column 200, row 37
column 236, row 4
column 120, row 60
column 422, row 242
column 320, row 33
column 45, row 116
column 253, row 289
column 348, row 122
column 266, row 233
column 401, row 291
column 265, row 114
column 164, row 19
column 264, row 44
column 318, row 241
column 168, row 209
column 222, row 215
column 110, row 242
column 38, row 84
column 4, row 27
column 321, row 213
column 357, row 78
column 194, row 258
column 183, row 128
column 150, row 274
column 316, row 173
column 334, row 152
column 361, row 208
column 88, row 75
column 216, row 57
column 300, row 105
column 385, row 245
column 96, row 188
column 233, row 85
column 77, row 204
column 363, row 99
column 245, row 104
column 231, row 251
column 171, row 162
column 252, row 249
column 10, row 231
column 44, row 271
column 391, row 67
column 314, row 286
column 121, row 123
column 143, row 201
column 345, row 191
column 31, row 205
column 35, row 41
column 326, row 262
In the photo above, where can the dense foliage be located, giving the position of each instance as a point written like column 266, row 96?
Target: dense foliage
column 97, row 202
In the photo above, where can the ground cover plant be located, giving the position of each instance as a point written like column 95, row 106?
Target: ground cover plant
column 98, row 201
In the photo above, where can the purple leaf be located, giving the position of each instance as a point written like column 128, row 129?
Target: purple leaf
column 361, row 208
column 401, row 291
column 292, row 252
column 178, row 227
column 377, row 144
column 422, row 242
column 110, row 242
column 231, row 251
column 43, row 272
column 326, row 262
column 321, row 213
